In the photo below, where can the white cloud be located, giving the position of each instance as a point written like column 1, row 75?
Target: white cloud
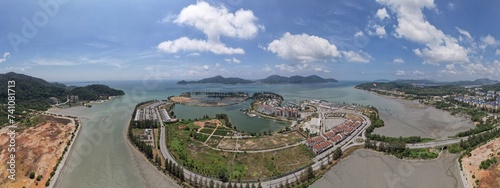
column 488, row 40
column 4, row 57
column 398, row 61
column 186, row 44
column 380, row 31
column 205, row 67
column 450, row 69
column 356, row 57
column 218, row 21
column 451, row 6
column 492, row 69
column 464, row 33
column 382, row 13
column 214, row 22
column 303, row 48
column 82, row 60
column 285, row 68
column 497, row 52
column 194, row 54
column 266, row 68
column 359, row 34
column 400, row 73
column 317, row 69
column 412, row 25
column 233, row 60
column 217, row 65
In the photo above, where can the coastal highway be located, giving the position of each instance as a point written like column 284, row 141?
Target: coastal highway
column 435, row 143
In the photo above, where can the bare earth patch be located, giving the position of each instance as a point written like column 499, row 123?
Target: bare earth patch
column 183, row 100
column 37, row 150
column 489, row 177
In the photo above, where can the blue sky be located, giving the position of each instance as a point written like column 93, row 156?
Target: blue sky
column 67, row 40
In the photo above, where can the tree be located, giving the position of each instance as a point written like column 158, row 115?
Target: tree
column 32, row 175
column 259, row 186
column 337, row 153
column 310, row 173
column 211, row 184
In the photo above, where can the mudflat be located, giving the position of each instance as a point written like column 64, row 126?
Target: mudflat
column 366, row 168
column 415, row 119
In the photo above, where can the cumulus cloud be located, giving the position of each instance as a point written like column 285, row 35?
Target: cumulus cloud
column 266, row 68
column 214, row 22
column 285, row 67
column 482, row 69
column 488, row 40
column 400, row 73
column 497, row 52
column 398, row 61
column 206, row 68
column 233, row 60
column 356, row 57
column 303, row 48
column 379, row 31
column 218, row 21
column 382, row 14
column 412, row 25
column 186, row 44
column 4, row 57
column 450, row 69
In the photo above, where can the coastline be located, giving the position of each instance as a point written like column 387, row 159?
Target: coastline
column 55, row 179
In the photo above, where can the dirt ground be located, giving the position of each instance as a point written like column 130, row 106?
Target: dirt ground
column 267, row 142
column 489, row 177
column 183, row 100
column 37, row 150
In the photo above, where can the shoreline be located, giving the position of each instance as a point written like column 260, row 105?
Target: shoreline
column 63, row 164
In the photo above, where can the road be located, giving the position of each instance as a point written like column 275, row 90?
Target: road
column 435, row 143
column 319, row 160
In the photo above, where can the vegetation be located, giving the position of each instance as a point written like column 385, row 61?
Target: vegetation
column 95, row 92
column 337, row 153
column 32, row 175
column 33, row 93
column 478, row 129
column 486, row 163
column 399, row 149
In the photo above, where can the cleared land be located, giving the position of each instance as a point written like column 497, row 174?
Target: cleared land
column 184, row 100
column 365, row 168
column 259, row 143
column 409, row 118
column 193, row 154
column 489, row 177
column 38, row 150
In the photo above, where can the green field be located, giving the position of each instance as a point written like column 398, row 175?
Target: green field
column 192, row 154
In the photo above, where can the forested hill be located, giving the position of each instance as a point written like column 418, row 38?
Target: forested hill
column 34, row 93
column 95, row 91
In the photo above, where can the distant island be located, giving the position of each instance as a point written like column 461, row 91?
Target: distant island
column 274, row 79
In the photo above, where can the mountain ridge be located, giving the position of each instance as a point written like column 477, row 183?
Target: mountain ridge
column 273, row 79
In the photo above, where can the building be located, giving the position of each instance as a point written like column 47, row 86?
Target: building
column 53, row 100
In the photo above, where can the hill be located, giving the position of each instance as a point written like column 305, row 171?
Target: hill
column 34, row 93
column 274, row 79
column 217, row 80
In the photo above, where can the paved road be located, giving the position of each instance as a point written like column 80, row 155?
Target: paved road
column 435, row 143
